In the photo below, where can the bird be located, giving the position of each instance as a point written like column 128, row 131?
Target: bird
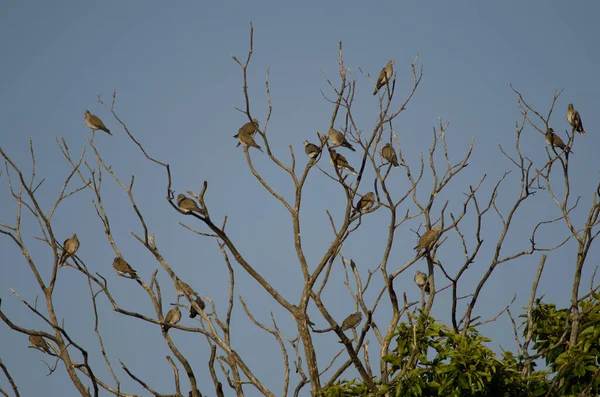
column 201, row 305
column 70, row 247
column 246, row 139
column 421, row 280
column 365, row 203
column 384, row 76
column 554, row 140
column 38, row 342
column 351, row 321
column 172, row 317
column 428, row 239
column 183, row 288
column 250, row 127
column 574, row 119
column 123, row 268
column 187, row 205
column 95, row 123
column 190, row 394
column 339, row 161
column 389, row 154
column 311, row 150
column 338, row 139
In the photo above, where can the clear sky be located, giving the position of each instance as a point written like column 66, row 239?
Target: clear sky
column 177, row 88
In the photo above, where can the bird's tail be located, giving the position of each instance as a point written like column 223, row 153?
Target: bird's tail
column 349, row 146
column 107, row 131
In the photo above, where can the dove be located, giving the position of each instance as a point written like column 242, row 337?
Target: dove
column 421, row 280
column 187, row 205
column 365, row 203
column 428, row 239
column 246, row 139
column 554, row 140
column 351, row 321
column 574, row 119
column 38, row 342
column 389, row 154
column 250, row 127
column 70, row 247
column 339, row 161
column 338, row 139
column 200, row 303
column 384, row 76
column 183, row 288
column 311, row 150
column 95, row 123
column 172, row 317
column 123, row 268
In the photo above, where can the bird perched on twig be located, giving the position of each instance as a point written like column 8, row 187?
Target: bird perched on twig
column 38, row 342
column 421, row 280
column 183, row 288
column 201, row 305
column 95, row 123
column 187, row 205
column 123, row 268
column 384, row 76
column 311, row 150
column 172, row 318
column 250, row 127
column 246, row 139
column 339, row 161
column 351, row 321
column 574, row 119
column 70, row 247
column 365, row 203
column 428, row 239
column 389, row 154
column 554, row 140
column 338, row 139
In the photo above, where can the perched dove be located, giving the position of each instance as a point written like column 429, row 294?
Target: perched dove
column 123, row 268
column 384, row 76
column 351, row 321
column 250, row 127
column 575, row 120
column 183, row 288
column 188, row 205
column 338, row 139
column 339, row 161
column 428, row 239
column 172, row 317
column 246, row 139
column 365, row 203
column 70, row 247
column 38, row 342
column 554, row 140
column 389, row 154
column 201, row 305
column 421, row 280
column 95, row 123
column 311, row 150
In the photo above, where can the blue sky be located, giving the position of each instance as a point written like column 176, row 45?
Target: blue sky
column 177, row 88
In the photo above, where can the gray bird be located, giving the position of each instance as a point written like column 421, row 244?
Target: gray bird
column 338, row 139
column 428, row 239
column 183, row 288
column 421, row 280
column 389, row 154
column 554, row 140
column 246, row 139
column 351, row 321
column 95, row 123
column 70, row 247
column 172, row 318
column 384, row 76
column 200, row 303
column 574, row 119
column 365, row 203
column 123, row 268
column 188, row 205
column 38, row 342
column 311, row 150
column 339, row 161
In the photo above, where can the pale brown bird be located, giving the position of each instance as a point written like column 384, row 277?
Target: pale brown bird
column 95, row 123
column 574, row 119
column 188, row 205
column 338, row 139
column 183, row 288
column 250, row 127
column 554, row 140
column 123, row 268
column 339, row 161
column 389, row 154
column 351, row 321
column 365, row 203
column 38, row 342
column 311, row 150
column 428, row 239
column 246, row 139
column 384, row 76
column 200, row 304
column 421, row 280
column 172, row 318
column 70, row 247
